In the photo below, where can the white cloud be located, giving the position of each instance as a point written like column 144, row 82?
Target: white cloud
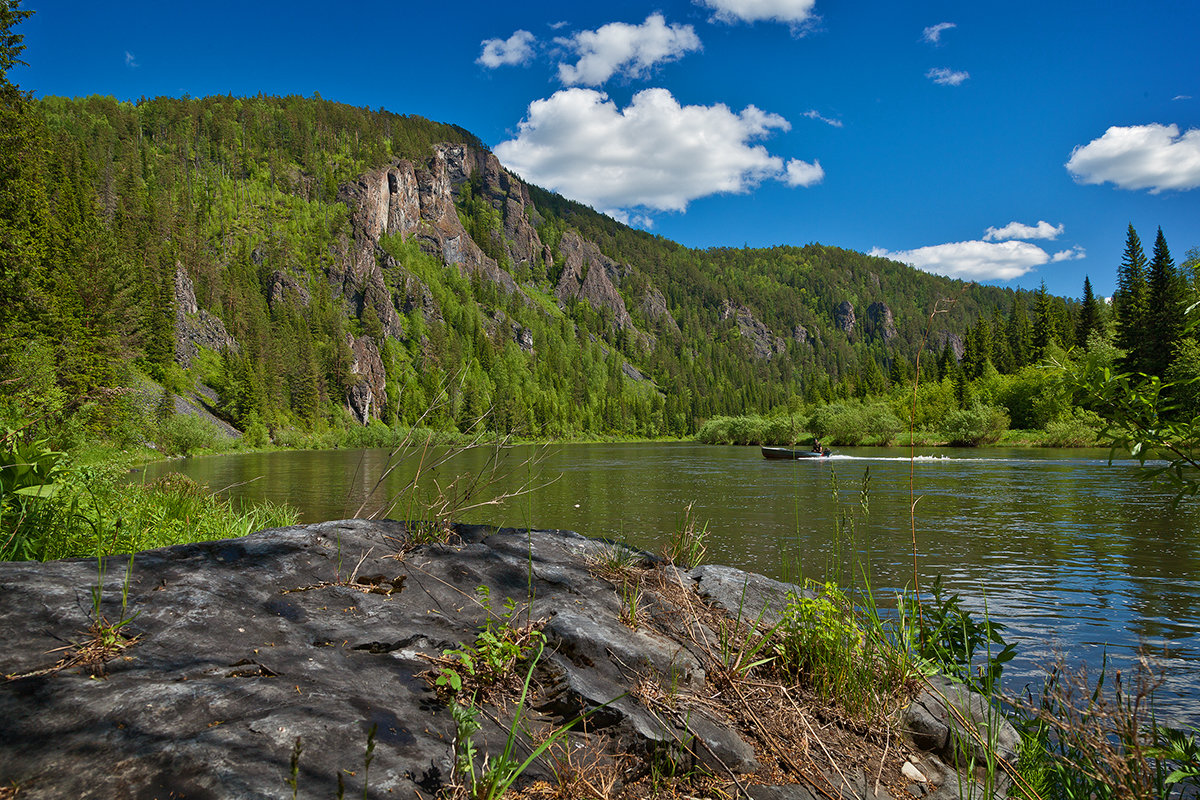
column 814, row 114
column 974, row 260
column 944, row 76
column 1074, row 254
column 1182, row 97
column 631, row 49
column 516, row 49
column 933, row 34
column 1015, row 230
column 654, row 154
column 1154, row 157
column 794, row 12
column 801, row 173
column 131, row 60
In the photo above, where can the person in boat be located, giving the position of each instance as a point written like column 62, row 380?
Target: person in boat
column 816, row 448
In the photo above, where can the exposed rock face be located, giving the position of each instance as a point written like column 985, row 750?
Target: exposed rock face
column 286, row 289
column 503, row 327
column 939, row 340
column 366, row 397
column 194, row 326
column 511, row 198
column 588, row 275
column 323, row 632
column 880, row 322
column 654, row 308
column 763, row 343
column 418, row 201
column 800, row 334
column 843, row 317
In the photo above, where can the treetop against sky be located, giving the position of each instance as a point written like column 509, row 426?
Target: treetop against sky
column 1002, row 142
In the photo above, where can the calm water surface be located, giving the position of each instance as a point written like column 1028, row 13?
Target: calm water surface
column 1076, row 556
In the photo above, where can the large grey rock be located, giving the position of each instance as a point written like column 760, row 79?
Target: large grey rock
column 961, row 727
column 745, row 596
column 246, row 645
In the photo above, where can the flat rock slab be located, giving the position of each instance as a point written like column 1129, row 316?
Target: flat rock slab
column 244, row 646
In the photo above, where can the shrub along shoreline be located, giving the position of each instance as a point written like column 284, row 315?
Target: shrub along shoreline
column 863, row 424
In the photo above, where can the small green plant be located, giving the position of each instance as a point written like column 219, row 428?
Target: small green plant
column 737, row 644
column 492, row 779
column 631, row 598
column 496, row 651
column 108, row 637
column 615, row 561
column 31, row 475
column 688, row 544
column 817, row 637
column 953, row 641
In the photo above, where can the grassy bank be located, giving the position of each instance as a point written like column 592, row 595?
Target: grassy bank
column 54, row 505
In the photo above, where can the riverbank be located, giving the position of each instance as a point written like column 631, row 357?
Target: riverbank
column 279, row 659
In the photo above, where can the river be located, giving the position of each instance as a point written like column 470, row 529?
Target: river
column 1076, row 556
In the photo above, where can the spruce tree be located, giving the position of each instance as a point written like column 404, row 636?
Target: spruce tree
column 1164, row 313
column 1020, row 334
column 1090, row 320
column 1129, row 303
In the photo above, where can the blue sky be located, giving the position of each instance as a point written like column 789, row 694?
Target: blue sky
column 1004, row 142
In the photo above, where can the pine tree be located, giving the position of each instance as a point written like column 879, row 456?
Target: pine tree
column 1090, row 320
column 1129, row 303
column 1020, row 334
column 1164, row 313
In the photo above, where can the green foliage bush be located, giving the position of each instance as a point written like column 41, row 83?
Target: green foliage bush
column 184, row 434
column 1080, row 428
column 853, row 423
column 748, row 430
column 971, row 427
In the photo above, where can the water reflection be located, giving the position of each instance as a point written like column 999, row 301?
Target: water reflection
column 1075, row 555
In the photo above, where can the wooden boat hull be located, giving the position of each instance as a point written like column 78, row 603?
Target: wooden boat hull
column 790, row 454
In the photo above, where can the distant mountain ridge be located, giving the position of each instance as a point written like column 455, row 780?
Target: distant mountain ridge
column 314, row 257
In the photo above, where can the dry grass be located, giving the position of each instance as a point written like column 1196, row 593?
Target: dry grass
column 796, row 738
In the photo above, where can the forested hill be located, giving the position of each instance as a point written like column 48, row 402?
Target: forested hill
column 317, row 265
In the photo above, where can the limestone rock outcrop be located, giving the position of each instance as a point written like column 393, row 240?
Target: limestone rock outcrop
column 941, row 338
column 365, row 398
column 588, row 275
column 654, row 308
column 880, row 322
column 763, row 343
column 195, row 327
column 844, row 318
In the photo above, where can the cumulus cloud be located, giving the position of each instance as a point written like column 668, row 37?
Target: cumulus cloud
column 130, row 60
column 654, row 155
column 1154, row 157
column 974, row 260
column 933, row 34
column 1074, row 254
column 1015, row 230
column 801, row 173
column 944, row 76
column 814, row 114
column 516, row 49
column 793, row 12
column 630, row 49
